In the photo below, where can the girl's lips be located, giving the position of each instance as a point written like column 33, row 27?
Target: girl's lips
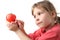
column 39, row 23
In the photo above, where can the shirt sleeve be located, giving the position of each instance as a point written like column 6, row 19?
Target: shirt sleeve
column 31, row 36
column 48, row 36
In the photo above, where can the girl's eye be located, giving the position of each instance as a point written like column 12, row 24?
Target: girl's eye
column 39, row 13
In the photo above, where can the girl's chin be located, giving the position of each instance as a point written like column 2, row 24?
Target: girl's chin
column 41, row 26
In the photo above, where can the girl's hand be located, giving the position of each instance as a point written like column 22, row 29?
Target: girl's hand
column 13, row 26
column 20, row 24
column 17, row 25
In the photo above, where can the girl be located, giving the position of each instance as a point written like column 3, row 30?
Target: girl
column 46, row 19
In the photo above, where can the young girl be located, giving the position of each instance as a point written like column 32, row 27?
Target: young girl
column 46, row 19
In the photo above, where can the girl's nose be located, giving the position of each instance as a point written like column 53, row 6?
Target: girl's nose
column 37, row 19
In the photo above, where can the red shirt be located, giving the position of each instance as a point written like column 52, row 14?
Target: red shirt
column 51, row 34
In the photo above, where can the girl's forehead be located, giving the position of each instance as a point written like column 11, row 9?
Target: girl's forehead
column 37, row 9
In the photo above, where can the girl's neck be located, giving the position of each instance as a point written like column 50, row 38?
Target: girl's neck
column 50, row 26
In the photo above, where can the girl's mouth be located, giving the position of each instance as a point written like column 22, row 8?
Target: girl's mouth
column 39, row 23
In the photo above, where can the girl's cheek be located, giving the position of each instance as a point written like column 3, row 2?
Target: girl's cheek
column 46, row 20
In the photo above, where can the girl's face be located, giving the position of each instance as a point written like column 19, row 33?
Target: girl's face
column 42, row 17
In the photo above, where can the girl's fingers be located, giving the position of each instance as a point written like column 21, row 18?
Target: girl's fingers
column 12, row 26
column 20, row 24
column 19, row 21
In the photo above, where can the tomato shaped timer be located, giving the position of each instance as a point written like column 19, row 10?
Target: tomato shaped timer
column 10, row 17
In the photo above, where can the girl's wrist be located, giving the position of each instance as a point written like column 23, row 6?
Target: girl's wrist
column 17, row 31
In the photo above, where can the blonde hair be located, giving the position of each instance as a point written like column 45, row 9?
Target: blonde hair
column 48, row 6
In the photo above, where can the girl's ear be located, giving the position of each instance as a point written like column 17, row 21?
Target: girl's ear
column 53, row 14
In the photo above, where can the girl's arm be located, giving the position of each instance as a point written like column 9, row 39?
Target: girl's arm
column 22, row 35
column 18, row 28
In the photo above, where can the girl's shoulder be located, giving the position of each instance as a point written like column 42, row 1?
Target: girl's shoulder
column 56, row 28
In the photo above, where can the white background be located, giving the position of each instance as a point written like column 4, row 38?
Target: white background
column 22, row 9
